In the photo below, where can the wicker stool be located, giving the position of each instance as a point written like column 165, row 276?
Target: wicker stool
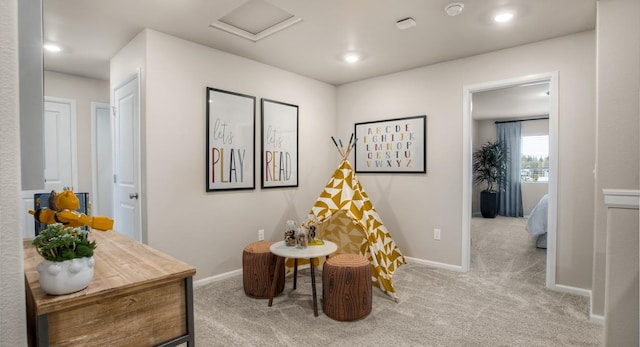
column 258, row 266
column 346, row 287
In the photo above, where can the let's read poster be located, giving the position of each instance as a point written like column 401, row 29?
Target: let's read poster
column 279, row 144
column 230, row 140
column 395, row 145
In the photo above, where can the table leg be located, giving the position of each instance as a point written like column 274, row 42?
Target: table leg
column 191, row 341
column 313, row 288
column 274, row 281
column 42, row 338
column 295, row 273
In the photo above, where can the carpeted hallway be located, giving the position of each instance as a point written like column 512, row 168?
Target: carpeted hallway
column 501, row 302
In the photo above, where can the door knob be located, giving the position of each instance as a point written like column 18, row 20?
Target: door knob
column 133, row 196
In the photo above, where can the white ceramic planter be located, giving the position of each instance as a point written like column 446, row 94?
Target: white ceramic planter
column 58, row 278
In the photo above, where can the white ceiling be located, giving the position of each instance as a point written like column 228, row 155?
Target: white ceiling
column 92, row 31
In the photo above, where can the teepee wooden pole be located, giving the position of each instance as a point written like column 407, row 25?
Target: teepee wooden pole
column 352, row 144
column 337, row 147
column 344, row 152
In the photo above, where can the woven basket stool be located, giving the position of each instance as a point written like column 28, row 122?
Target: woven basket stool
column 258, row 266
column 346, row 287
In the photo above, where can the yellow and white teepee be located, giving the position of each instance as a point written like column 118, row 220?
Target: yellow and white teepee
column 345, row 215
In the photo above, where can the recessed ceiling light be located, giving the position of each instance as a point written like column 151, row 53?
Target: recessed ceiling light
column 503, row 17
column 351, row 57
column 52, row 47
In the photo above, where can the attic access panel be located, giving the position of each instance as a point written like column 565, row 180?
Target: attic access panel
column 255, row 20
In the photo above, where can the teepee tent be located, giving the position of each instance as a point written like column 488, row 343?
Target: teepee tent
column 345, row 215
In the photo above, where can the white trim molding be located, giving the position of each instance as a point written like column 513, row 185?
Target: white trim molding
column 434, row 264
column 212, row 279
column 594, row 318
column 216, row 278
column 622, row 198
column 572, row 290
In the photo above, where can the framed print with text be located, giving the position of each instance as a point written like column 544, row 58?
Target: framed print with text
column 392, row 146
column 279, row 166
column 230, row 148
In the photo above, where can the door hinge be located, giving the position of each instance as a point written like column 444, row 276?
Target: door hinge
column 114, row 178
column 113, row 110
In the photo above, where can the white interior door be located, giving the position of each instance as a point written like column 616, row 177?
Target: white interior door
column 60, row 154
column 126, row 109
column 102, row 197
column 58, row 147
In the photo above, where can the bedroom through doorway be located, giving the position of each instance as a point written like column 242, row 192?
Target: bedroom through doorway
column 512, row 243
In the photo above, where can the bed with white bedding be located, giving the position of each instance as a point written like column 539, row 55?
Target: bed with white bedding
column 537, row 222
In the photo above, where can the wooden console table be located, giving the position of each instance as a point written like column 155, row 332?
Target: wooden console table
column 138, row 296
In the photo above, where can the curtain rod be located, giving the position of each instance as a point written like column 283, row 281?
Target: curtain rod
column 520, row 120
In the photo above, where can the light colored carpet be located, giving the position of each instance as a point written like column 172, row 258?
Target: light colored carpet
column 501, row 302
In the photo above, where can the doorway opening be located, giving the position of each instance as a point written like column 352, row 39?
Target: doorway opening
column 102, row 166
column 468, row 132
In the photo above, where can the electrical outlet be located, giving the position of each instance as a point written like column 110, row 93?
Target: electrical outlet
column 436, row 234
column 260, row 234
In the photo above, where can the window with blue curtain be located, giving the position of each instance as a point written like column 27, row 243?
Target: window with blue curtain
column 510, row 196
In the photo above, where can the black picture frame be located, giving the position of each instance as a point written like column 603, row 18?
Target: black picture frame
column 279, row 150
column 396, row 145
column 230, row 140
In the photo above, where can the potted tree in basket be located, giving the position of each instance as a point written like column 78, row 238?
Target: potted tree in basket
column 490, row 166
column 68, row 261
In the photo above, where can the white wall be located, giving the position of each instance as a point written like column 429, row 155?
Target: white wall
column 618, row 119
column 413, row 205
column 209, row 230
column 13, row 319
column 84, row 91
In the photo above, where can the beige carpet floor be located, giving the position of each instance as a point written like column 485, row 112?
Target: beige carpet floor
column 501, row 302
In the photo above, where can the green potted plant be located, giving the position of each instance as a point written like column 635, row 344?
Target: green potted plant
column 490, row 167
column 68, row 262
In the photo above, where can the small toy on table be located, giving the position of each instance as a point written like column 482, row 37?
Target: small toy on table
column 290, row 233
column 64, row 211
column 310, row 225
column 301, row 238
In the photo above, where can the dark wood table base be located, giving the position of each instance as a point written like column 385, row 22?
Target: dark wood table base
column 276, row 275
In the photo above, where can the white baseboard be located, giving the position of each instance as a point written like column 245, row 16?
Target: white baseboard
column 220, row 277
column 205, row 281
column 571, row 290
column 434, row 264
column 596, row 318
